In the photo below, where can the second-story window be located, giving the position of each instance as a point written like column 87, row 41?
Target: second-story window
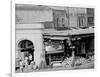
column 82, row 22
column 90, row 20
column 58, row 22
column 63, row 25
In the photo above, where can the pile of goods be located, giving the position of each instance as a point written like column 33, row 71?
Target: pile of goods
column 82, row 61
column 68, row 62
column 78, row 61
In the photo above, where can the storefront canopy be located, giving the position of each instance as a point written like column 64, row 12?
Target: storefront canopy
column 81, row 31
column 65, row 33
column 56, row 38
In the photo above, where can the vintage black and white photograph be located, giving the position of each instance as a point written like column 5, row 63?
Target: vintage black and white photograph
column 52, row 38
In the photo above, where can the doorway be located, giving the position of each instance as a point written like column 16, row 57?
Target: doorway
column 26, row 47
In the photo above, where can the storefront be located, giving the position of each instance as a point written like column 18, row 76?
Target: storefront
column 54, row 50
column 57, row 49
column 59, row 45
column 84, row 44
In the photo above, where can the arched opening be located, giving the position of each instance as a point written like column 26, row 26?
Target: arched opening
column 27, row 48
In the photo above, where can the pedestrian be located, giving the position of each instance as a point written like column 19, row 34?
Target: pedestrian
column 21, row 65
column 26, row 62
column 30, row 59
column 33, row 65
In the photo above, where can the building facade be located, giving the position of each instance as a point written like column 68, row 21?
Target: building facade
column 29, row 30
column 69, row 17
column 71, row 28
column 48, row 33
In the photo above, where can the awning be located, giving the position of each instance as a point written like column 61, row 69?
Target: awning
column 81, row 31
column 55, row 37
column 55, row 51
column 65, row 33
column 59, row 38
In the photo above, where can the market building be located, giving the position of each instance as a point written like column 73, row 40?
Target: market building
column 50, row 34
column 29, row 30
column 71, row 28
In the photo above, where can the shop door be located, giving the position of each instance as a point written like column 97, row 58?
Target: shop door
column 83, row 48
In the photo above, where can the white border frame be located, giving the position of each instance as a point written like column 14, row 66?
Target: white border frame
column 13, row 37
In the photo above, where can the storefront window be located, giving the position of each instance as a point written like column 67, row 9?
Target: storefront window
column 54, row 50
column 53, row 45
